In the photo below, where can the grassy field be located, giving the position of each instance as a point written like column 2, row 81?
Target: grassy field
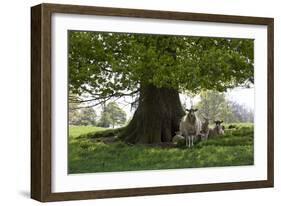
column 87, row 154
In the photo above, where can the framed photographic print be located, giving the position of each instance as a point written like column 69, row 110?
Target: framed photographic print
column 130, row 102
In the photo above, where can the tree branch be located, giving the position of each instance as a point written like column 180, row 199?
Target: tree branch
column 101, row 100
column 105, row 97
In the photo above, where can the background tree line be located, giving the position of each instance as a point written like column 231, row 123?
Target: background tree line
column 214, row 105
column 111, row 115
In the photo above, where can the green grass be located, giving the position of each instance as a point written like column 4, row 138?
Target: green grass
column 87, row 156
column 76, row 131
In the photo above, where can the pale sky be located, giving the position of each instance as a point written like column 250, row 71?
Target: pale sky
column 243, row 96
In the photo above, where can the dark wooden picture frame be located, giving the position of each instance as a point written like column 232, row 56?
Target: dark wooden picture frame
column 41, row 95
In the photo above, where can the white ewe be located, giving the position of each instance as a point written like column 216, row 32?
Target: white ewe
column 190, row 126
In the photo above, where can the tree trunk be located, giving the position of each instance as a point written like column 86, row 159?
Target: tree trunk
column 157, row 117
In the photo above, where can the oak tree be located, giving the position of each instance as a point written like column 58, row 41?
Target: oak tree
column 153, row 69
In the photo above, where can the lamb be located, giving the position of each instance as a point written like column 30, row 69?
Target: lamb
column 190, row 126
column 205, row 129
column 217, row 130
column 178, row 138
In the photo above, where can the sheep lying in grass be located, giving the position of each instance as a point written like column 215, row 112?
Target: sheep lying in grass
column 190, row 126
column 178, row 139
column 205, row 129
column 217, row 130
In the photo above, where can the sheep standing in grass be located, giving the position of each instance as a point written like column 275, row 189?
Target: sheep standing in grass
column 190, row 126
column 205, row 129
column 217, row 130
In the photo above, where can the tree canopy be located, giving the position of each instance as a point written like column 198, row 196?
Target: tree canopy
column 106, row 65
